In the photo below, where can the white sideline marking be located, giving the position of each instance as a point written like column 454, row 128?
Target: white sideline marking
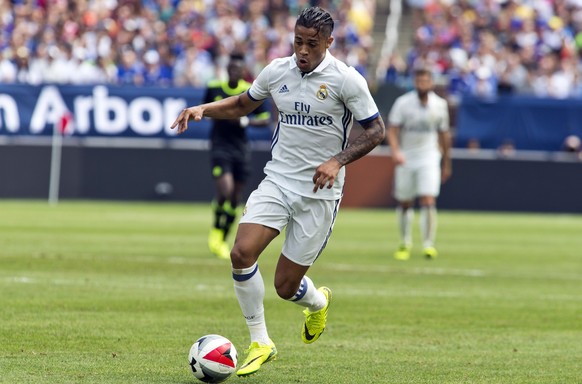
column 24, row 280
column 449, row 272
column 389, row 292
column 416, row 271
column 217, row 288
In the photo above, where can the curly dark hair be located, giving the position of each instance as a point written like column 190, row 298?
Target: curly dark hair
column 317, row 18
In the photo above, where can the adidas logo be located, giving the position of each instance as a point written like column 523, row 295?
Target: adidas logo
column 284, row 89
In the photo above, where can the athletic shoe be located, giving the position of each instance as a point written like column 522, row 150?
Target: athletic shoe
column 215, row 238
column 315, row 322
column 217, row 245
column 430, row 253
column 257, row 355
column 223, row 251
column 402, row 253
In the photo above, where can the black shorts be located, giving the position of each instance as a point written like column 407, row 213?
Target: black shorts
column 237, row 163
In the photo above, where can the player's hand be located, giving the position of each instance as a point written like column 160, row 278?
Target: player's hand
column 187, row 114
column 398, row 158
column 446, row 173
column 325, row 174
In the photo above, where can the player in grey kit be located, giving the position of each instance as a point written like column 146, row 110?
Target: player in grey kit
column 317, row 97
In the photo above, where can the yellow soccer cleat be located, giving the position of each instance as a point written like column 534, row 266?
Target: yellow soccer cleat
column 215, row 238
column 223, row 252
column 430, row 253
column 315, row 322
column 257, row 355
column 217, row 245
column 402, row 253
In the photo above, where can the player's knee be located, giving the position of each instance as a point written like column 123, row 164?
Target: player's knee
column 405, row 204
column 427, row 201
column 239, row 258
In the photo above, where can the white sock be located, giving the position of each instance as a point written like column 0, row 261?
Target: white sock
column 428, row 225
column 405, row 219
column 250, row 292
column 308, row 296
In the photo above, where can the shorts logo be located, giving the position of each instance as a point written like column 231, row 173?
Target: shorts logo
column 244, row 212
column 322, row 92
column 284, row 89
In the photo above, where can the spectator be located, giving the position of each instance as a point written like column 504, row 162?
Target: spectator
column 503, row 46
column 198, row 36
column 483, row 83
column 572, row 143
column 8, row 69
column 29, row 71
column 130, row 71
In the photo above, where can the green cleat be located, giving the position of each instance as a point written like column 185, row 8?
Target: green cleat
column 215, row 238
column 402, row 253
column 223, row 251
column 257, row 355
column 315, row 322
column 217, row 245
column 430, row 253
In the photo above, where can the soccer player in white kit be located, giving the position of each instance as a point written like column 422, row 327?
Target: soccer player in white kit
column 419, row 138
column 317, row 98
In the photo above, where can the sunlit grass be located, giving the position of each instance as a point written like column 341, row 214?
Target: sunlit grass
column 99, row 292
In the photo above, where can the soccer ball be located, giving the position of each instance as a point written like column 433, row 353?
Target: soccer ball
column 212, row 358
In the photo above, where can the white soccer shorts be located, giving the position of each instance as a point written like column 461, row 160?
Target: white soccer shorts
column 308, row 222
column 412, row 182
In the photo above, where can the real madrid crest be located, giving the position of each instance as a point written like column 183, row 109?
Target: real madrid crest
column 322, row 92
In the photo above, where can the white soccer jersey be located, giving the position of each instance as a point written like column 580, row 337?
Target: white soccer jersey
column 316, row 113
column 419, row 126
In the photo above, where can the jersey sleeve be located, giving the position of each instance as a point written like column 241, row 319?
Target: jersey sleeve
column 259, row 89
column 395, row 115
column 357, row 97
column 263, row 111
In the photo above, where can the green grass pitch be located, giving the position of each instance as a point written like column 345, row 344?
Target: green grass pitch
column 101, row 292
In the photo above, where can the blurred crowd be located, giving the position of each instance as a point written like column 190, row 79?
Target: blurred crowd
column 161, row 42
column 492, row 47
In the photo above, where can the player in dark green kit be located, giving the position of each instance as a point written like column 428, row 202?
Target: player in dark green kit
column 230, row 154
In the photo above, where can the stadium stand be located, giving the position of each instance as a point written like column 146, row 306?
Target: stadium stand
column 477, row 49
column 160, row 42
column 490, row 48
column 510, row 69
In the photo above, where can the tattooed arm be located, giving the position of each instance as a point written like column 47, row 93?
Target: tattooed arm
column 327, row 172
column 372, row 136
